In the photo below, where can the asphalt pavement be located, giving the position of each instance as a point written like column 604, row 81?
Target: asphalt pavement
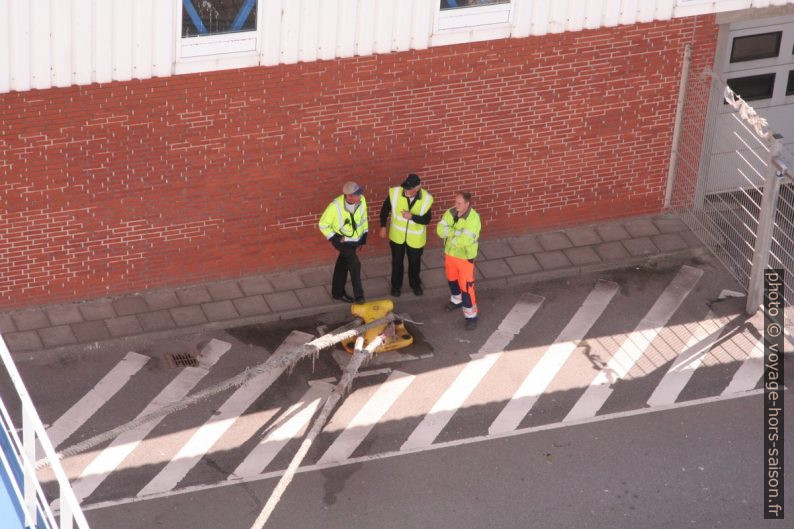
column 622, row 398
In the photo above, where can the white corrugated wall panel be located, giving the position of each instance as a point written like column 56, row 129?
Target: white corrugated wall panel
column 646, row 11
column 558, row 16
column 163, row 35
column 270, row 53
column 403, row 14
column 539, row 19
column 664, row 9
column 346, row 36
column 365, row 27
column 122, row 40
column 82, row 56
column 628, row 11
column 329, row 13
column 19, row 39
column 40, row 52
column 576, row 10
column 309, row 30
column 594, row 13
column 522, row 18
column 142, row 39
column 61, row 44
column 5, row 48
column 103, row 40
column 611, row 12
column 422, row 24
column 290, row 30
column 384, row 25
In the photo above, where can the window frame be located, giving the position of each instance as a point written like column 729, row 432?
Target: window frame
column 444, row 22
column 240, row 48
column 779, row 34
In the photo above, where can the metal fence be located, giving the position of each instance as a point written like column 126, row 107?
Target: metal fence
column 21, row 488
column 731, row 182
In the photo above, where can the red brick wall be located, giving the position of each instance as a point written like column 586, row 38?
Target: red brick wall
column 127, row 186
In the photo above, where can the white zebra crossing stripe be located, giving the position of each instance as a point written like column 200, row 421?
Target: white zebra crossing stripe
column 367, row 417
column 293, row 424
column 749, row 373
column 210, row 432
column 473, row 372
column 554, row 358
column 635, row 344
column 704, row 336
column 82, row 410
column 111, row 457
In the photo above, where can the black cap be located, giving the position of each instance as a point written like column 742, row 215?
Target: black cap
column 411, row 182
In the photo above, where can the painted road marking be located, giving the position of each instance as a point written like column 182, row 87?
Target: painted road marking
column 635, row 344
column 292, row 424
column 103, row 391
column 210, row 432
column 111, row 457
column 554, row 358
column 749, row 373
column 367, row 417
column 473, row 372
column 704, row 335
column 398, row 453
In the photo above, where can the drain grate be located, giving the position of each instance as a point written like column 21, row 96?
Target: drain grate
column 181, row 360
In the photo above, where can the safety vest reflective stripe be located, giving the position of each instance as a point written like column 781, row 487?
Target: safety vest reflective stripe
column 404, row 230
column 332, row 221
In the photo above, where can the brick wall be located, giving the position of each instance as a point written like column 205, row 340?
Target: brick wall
column 121, row 187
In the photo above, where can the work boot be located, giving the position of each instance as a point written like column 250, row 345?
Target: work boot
column 471, row 324
column 449, row 307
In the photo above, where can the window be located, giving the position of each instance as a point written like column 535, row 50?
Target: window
column 790, row 84
column 754, row 47
column 212, row 27
column 754, row 87
column 456, row 4
column 466, row 14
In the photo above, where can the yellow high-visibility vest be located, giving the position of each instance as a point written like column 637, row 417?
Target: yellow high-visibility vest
column 461, row 236
column 337, row 220
column 407, row 231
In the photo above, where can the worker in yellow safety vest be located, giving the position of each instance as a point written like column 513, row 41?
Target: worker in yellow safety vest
column 409, row 206
column 344, row 224
column 460, row 229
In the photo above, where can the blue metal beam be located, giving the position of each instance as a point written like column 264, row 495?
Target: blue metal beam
column 194, row 17
column 242, row 16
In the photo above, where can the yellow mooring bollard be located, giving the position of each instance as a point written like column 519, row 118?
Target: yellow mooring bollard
column 371, row 311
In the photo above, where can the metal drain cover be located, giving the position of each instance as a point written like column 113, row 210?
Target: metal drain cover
column 181, row 360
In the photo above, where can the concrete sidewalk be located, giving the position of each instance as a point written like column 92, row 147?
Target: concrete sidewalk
column 262, row 298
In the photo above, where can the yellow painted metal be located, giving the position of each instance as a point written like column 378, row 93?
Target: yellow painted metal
column 397, row 335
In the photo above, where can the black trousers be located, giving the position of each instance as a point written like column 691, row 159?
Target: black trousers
column 398, row 252
column 347, row 262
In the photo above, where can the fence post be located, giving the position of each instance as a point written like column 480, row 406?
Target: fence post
column 29, row 449
column 679, row 117
column 763, row 239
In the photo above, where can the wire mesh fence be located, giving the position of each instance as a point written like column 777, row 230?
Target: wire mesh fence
column 724, row 156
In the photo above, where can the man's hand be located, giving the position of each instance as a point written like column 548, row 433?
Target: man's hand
column 407, row 215
column 382, row 232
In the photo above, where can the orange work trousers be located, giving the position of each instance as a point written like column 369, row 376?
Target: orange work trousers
column 460, row 274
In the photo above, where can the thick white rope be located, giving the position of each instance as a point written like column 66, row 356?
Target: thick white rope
column 359, row 356
column 281, row 362
column 748, row 114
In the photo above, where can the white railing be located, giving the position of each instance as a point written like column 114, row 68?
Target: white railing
column 29, row 493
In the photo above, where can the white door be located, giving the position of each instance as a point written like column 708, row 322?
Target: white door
column 758, row 64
